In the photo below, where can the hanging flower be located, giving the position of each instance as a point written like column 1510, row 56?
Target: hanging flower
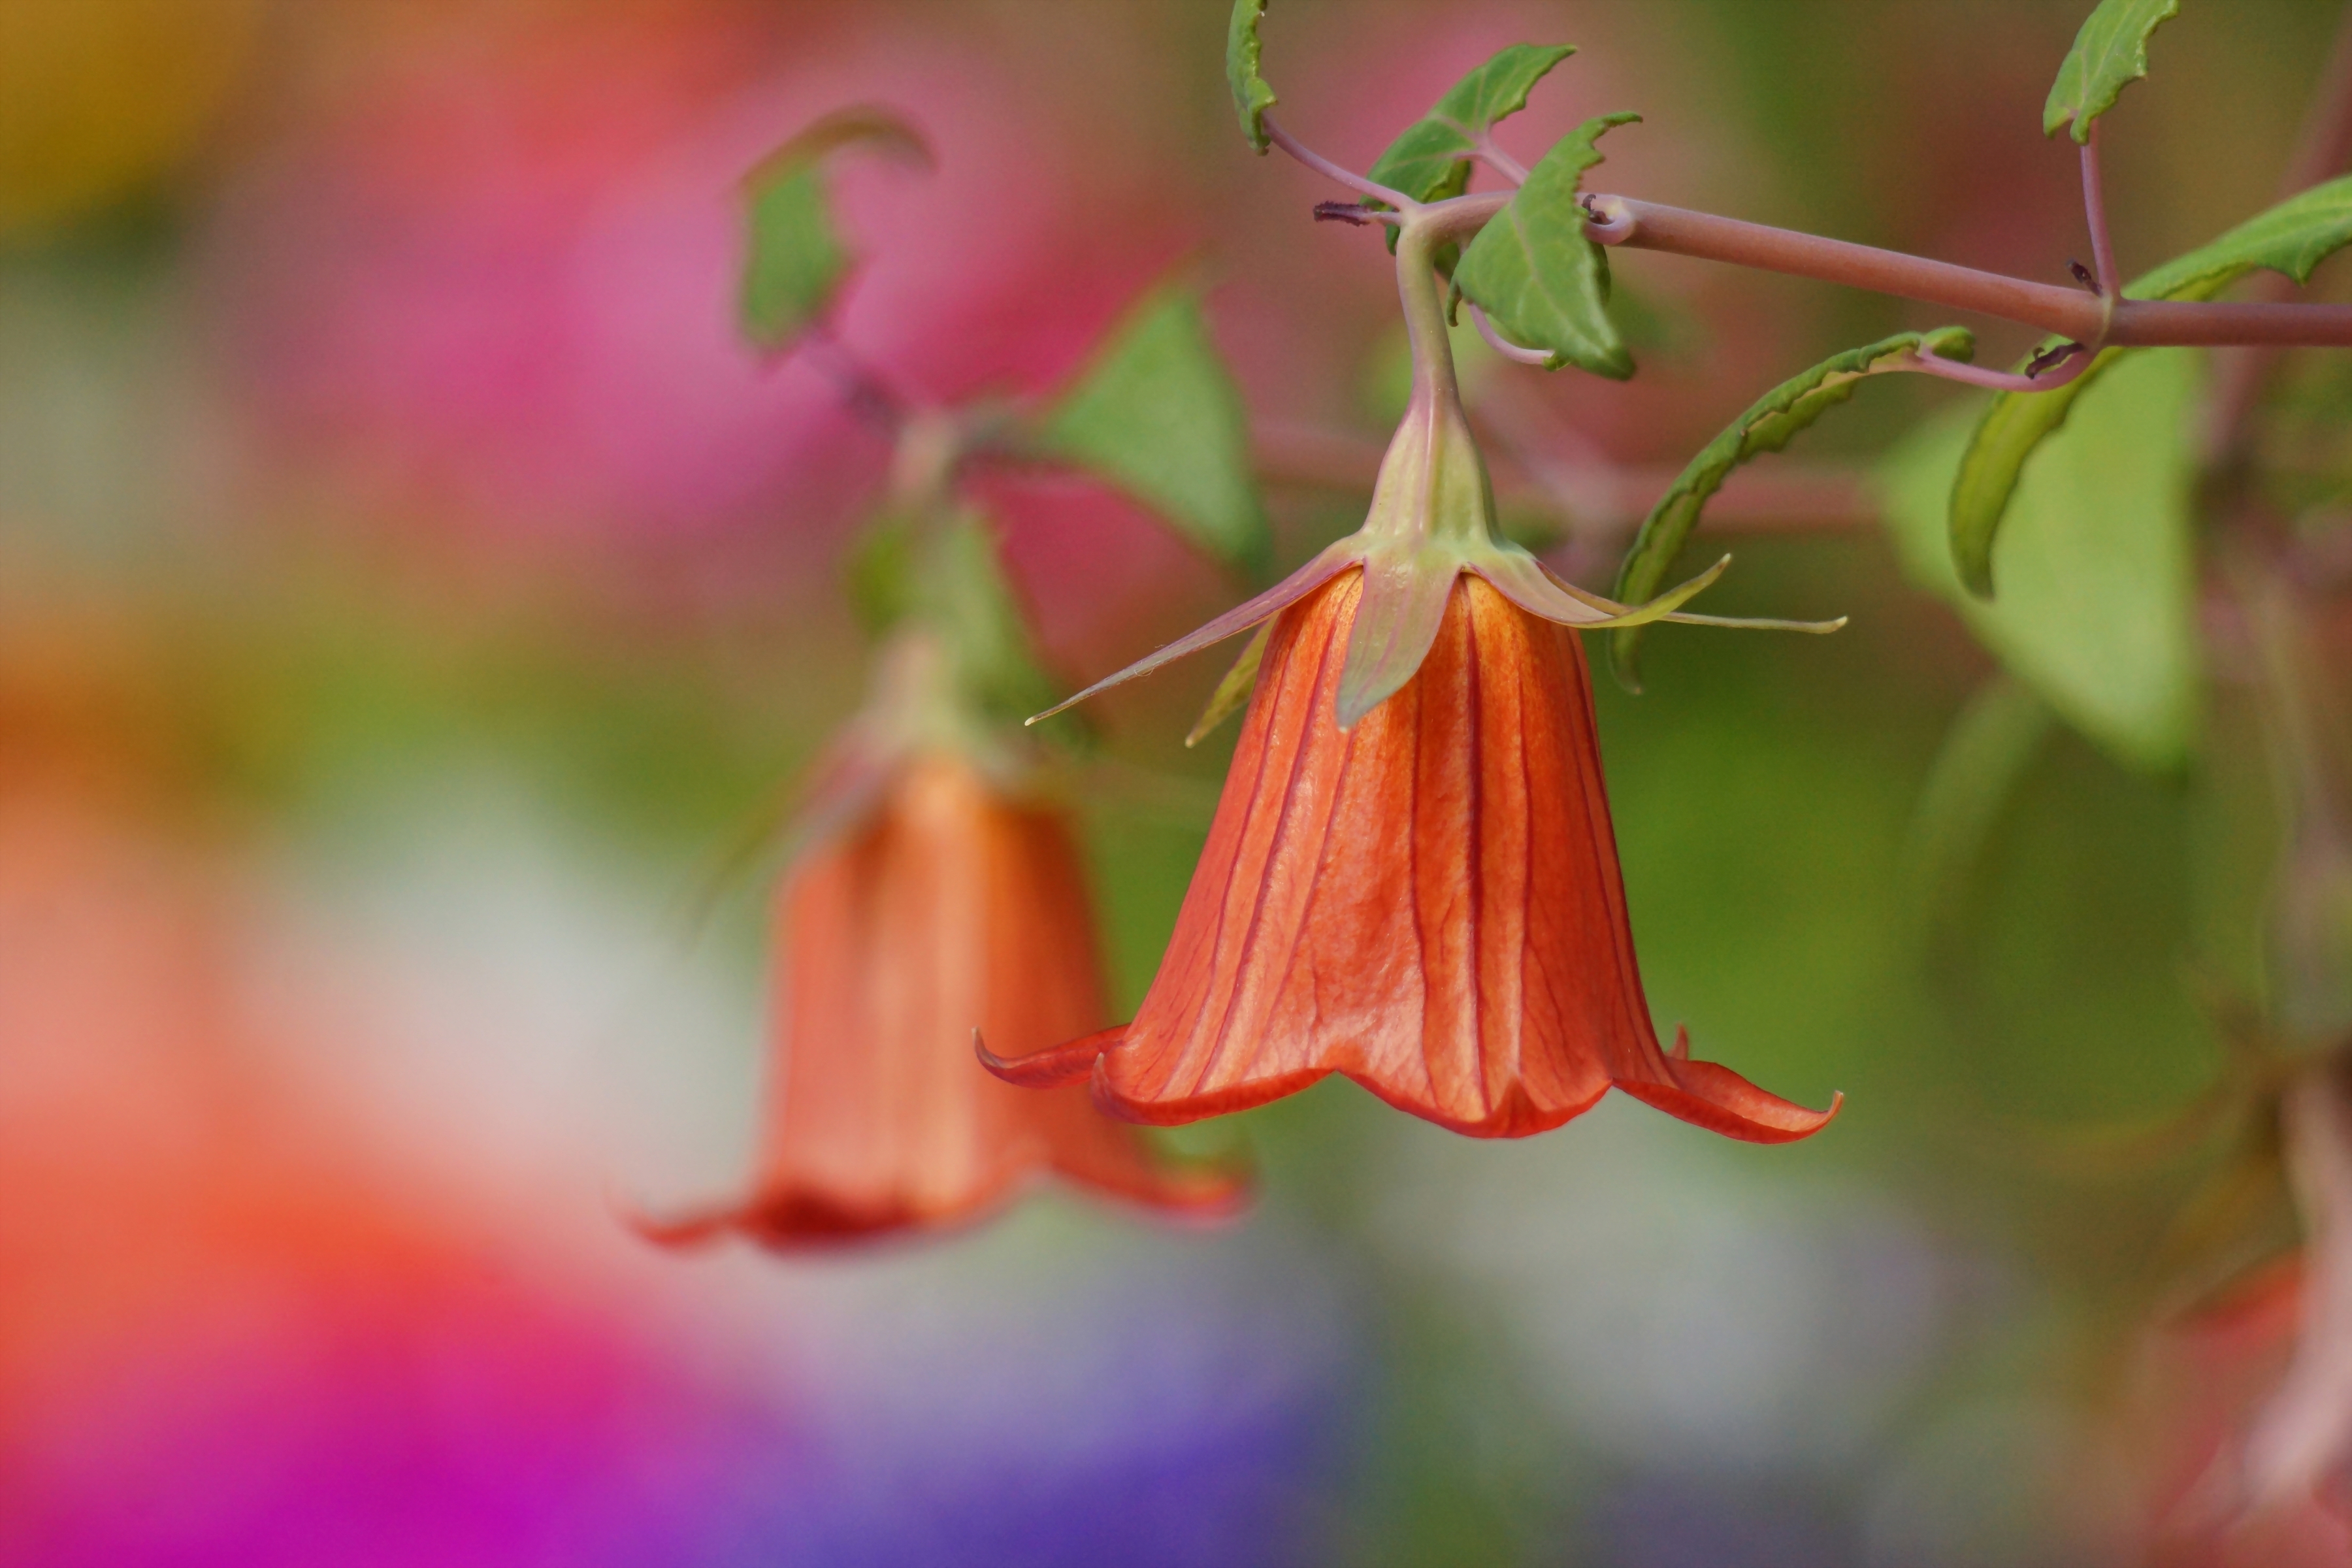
column 930, row 900
column 1412, row 877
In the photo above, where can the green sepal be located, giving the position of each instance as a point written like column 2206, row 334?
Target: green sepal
column 1535, row 274
column 1431, row 161
column 2098, row 608
column 2110, row 53
column 1232, row 693
column 1768, row 426
column 793, row 259
column 2293, row 238
column 944, row 573
column 1252, row 96
column 1156, row 413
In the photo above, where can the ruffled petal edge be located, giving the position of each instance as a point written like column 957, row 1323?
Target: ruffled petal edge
column 1709, row 1095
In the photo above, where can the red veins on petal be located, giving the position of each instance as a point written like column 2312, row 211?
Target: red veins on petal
column 1429, row 902
column 950, row 908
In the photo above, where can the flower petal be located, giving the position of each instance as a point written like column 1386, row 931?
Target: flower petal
column 1712, row 1096
column 1427, row 904
column 1397, row 616
column 1333, row 559
column 1054, row 1064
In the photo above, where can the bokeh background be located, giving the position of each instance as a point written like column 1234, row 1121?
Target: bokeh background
column 409, row 588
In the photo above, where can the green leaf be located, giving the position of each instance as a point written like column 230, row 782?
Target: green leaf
column 1531, row 268
column 1252, row 96
column 943, row 573
column 1432, row 160
column 2109, row 54
column 2293, row 238
column 1768, row 425
column 2097, row 611
column 1157, row 414
column 794, row 261
column 1986, row 753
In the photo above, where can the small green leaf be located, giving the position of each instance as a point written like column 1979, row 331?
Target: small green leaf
column 794, row 261
column 1252, row 96
column 2109, row 54
column 2293, row 238
column 1531, row 268
column 1157, row 414
column 1432, row 160
column 1768, row 425
column 2097, row 611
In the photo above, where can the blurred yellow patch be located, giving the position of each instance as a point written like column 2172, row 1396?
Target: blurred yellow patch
column 99, row 96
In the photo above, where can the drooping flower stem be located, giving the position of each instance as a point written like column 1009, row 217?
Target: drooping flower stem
column 1434, row 384
column 1433, row 483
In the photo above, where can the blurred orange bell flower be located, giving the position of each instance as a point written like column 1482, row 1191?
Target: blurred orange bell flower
column 935, row 901
column 1429, row 902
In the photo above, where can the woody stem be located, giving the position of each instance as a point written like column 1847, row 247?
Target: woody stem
column 2070, row 313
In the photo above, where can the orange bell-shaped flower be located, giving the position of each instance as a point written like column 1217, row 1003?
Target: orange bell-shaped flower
column 1412, row 878
column 935, row 904
column 1429, row 902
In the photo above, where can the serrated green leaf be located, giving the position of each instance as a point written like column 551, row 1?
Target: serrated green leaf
column 1532, row 270
column 1252, row 96
column 1157, row 414
column 1432, row 160
column 2097, row 611
column 2110, row 53
column 793, row 260
column 1768, row 426
column 2293, row 238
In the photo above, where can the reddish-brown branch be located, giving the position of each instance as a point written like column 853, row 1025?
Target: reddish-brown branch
column 2087, row 318
column 2068, row 312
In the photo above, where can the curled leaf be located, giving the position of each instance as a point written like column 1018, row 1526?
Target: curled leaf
column 2293, row 238
column 1536, row 274
column 1768, row 426
column 2110, row 53
column 1252, row 96
column 793, row 259
column 2097, row 609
